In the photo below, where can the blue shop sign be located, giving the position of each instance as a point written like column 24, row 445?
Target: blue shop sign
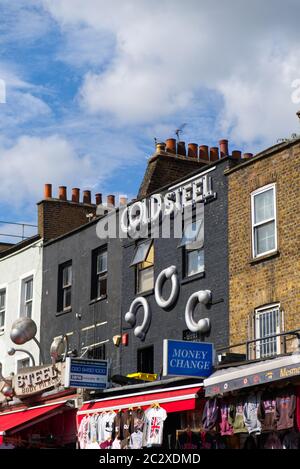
column 86, row 374
column 183, row 358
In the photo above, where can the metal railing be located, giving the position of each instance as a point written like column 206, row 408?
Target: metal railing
column 247, row 344
column 22, row 233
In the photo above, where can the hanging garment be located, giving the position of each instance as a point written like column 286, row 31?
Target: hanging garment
column 127, row 422
column 236, row 416
column 138, row 417
column 273, row 442
column 136, row 440
column 225, row 427
column 250, row 412
column 105, row 427
column 285, row 409
column 267, row 412
column 211, row 414
column 154, row 424
column 93, row 428
column 106, row 444
column 83, row 432
column 189, row 440
column 297, row 390
column 291, row 440
column 116, row 444
column 118, row 426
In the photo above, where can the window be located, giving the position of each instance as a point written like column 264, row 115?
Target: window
column 65, row 286
column 264, row 231
column 268, row 321
column 145, row 360
column 192, row 243
column 2, row 309
column 27, row 296
column 143, row 260
column 25, row 363
column 99, row 274
column 97, row 352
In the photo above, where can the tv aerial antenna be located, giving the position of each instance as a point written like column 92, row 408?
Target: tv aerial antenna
column 180, row 130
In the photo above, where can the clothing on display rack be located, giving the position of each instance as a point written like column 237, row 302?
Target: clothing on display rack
column 236, row 416
column 225, row 427
column 153, row 427
column 250, row 409
column 285, row 409
column 211, row 414
column 267, row 412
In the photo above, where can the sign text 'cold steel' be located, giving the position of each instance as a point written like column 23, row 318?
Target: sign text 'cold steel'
column 182, row 358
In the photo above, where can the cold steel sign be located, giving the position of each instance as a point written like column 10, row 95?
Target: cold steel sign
column 182, row 358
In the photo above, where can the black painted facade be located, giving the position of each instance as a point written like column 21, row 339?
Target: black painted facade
column 95, row 322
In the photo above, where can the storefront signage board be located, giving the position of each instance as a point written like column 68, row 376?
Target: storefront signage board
column 263, row 377
column 183, row 358
column 37, row 380
column 86, row 374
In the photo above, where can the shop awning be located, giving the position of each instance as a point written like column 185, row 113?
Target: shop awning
column 12, row 422
column 174, row 399
column 253, row 374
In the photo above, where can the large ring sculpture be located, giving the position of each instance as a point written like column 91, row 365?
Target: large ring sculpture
column 203, row 325
column 166, row 274
column 130, row 317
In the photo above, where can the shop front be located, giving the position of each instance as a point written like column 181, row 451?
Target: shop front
column 256, row 405
column 141, row 416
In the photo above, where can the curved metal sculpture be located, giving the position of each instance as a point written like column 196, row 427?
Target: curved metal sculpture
column 203, row 325
column 166, row 274
column 130, row 317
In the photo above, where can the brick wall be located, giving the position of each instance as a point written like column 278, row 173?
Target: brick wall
column 56, row 217
column 165, row 169
column 276, row 279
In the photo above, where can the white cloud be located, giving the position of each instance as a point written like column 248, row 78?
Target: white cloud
column 33, row 161
column 167, row 53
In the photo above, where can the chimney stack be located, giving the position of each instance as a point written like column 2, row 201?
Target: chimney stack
column 223, row 148
column 236, row 154
column 214, row 154
column 98, row 199
column 171, row 145
column 193, row 150
column 87, row 197
column 181, row 150
column 62, row 193
column 48, row 191
column 203, row 152
column 75, row 194
column 110, row 200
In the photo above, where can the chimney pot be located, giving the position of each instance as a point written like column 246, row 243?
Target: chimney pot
column 236, row 154
column 193, row 150
column 87, row 197
column 111, row 200
column 48, row 191
column 247, row 156
column 171, row 145
column 203, row 152
column 214, row 154
column 62, row 193
column 75, row 194
column 123, row 200
column 160, row 146
column 98, row 198
column 181, row 150
column 223, row 148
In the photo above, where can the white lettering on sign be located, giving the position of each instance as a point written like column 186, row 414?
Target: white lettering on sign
column 190, row 359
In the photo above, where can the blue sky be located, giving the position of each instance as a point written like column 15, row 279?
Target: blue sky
column 90, row 83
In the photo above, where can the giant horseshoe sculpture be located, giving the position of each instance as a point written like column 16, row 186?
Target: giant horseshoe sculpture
column 130, row 317
column 203, row 325
column 166, row 274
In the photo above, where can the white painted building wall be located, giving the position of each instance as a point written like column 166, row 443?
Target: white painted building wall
column 14, row 268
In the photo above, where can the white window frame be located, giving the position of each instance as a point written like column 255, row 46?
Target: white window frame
column 258, row 345
column 66, row 287
column 255, row 225
column 23, row 280
column 3, row 288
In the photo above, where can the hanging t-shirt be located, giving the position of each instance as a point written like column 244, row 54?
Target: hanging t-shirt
column 251, row 406
column 266, row 412
column 83, row 432
column 211, row 414
column 154, row 424
column 225, row 427
column 93, row 428
column 138, row 417
column 285, row 409
column 105, row 426
column 236, row 416
column 136, row 440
